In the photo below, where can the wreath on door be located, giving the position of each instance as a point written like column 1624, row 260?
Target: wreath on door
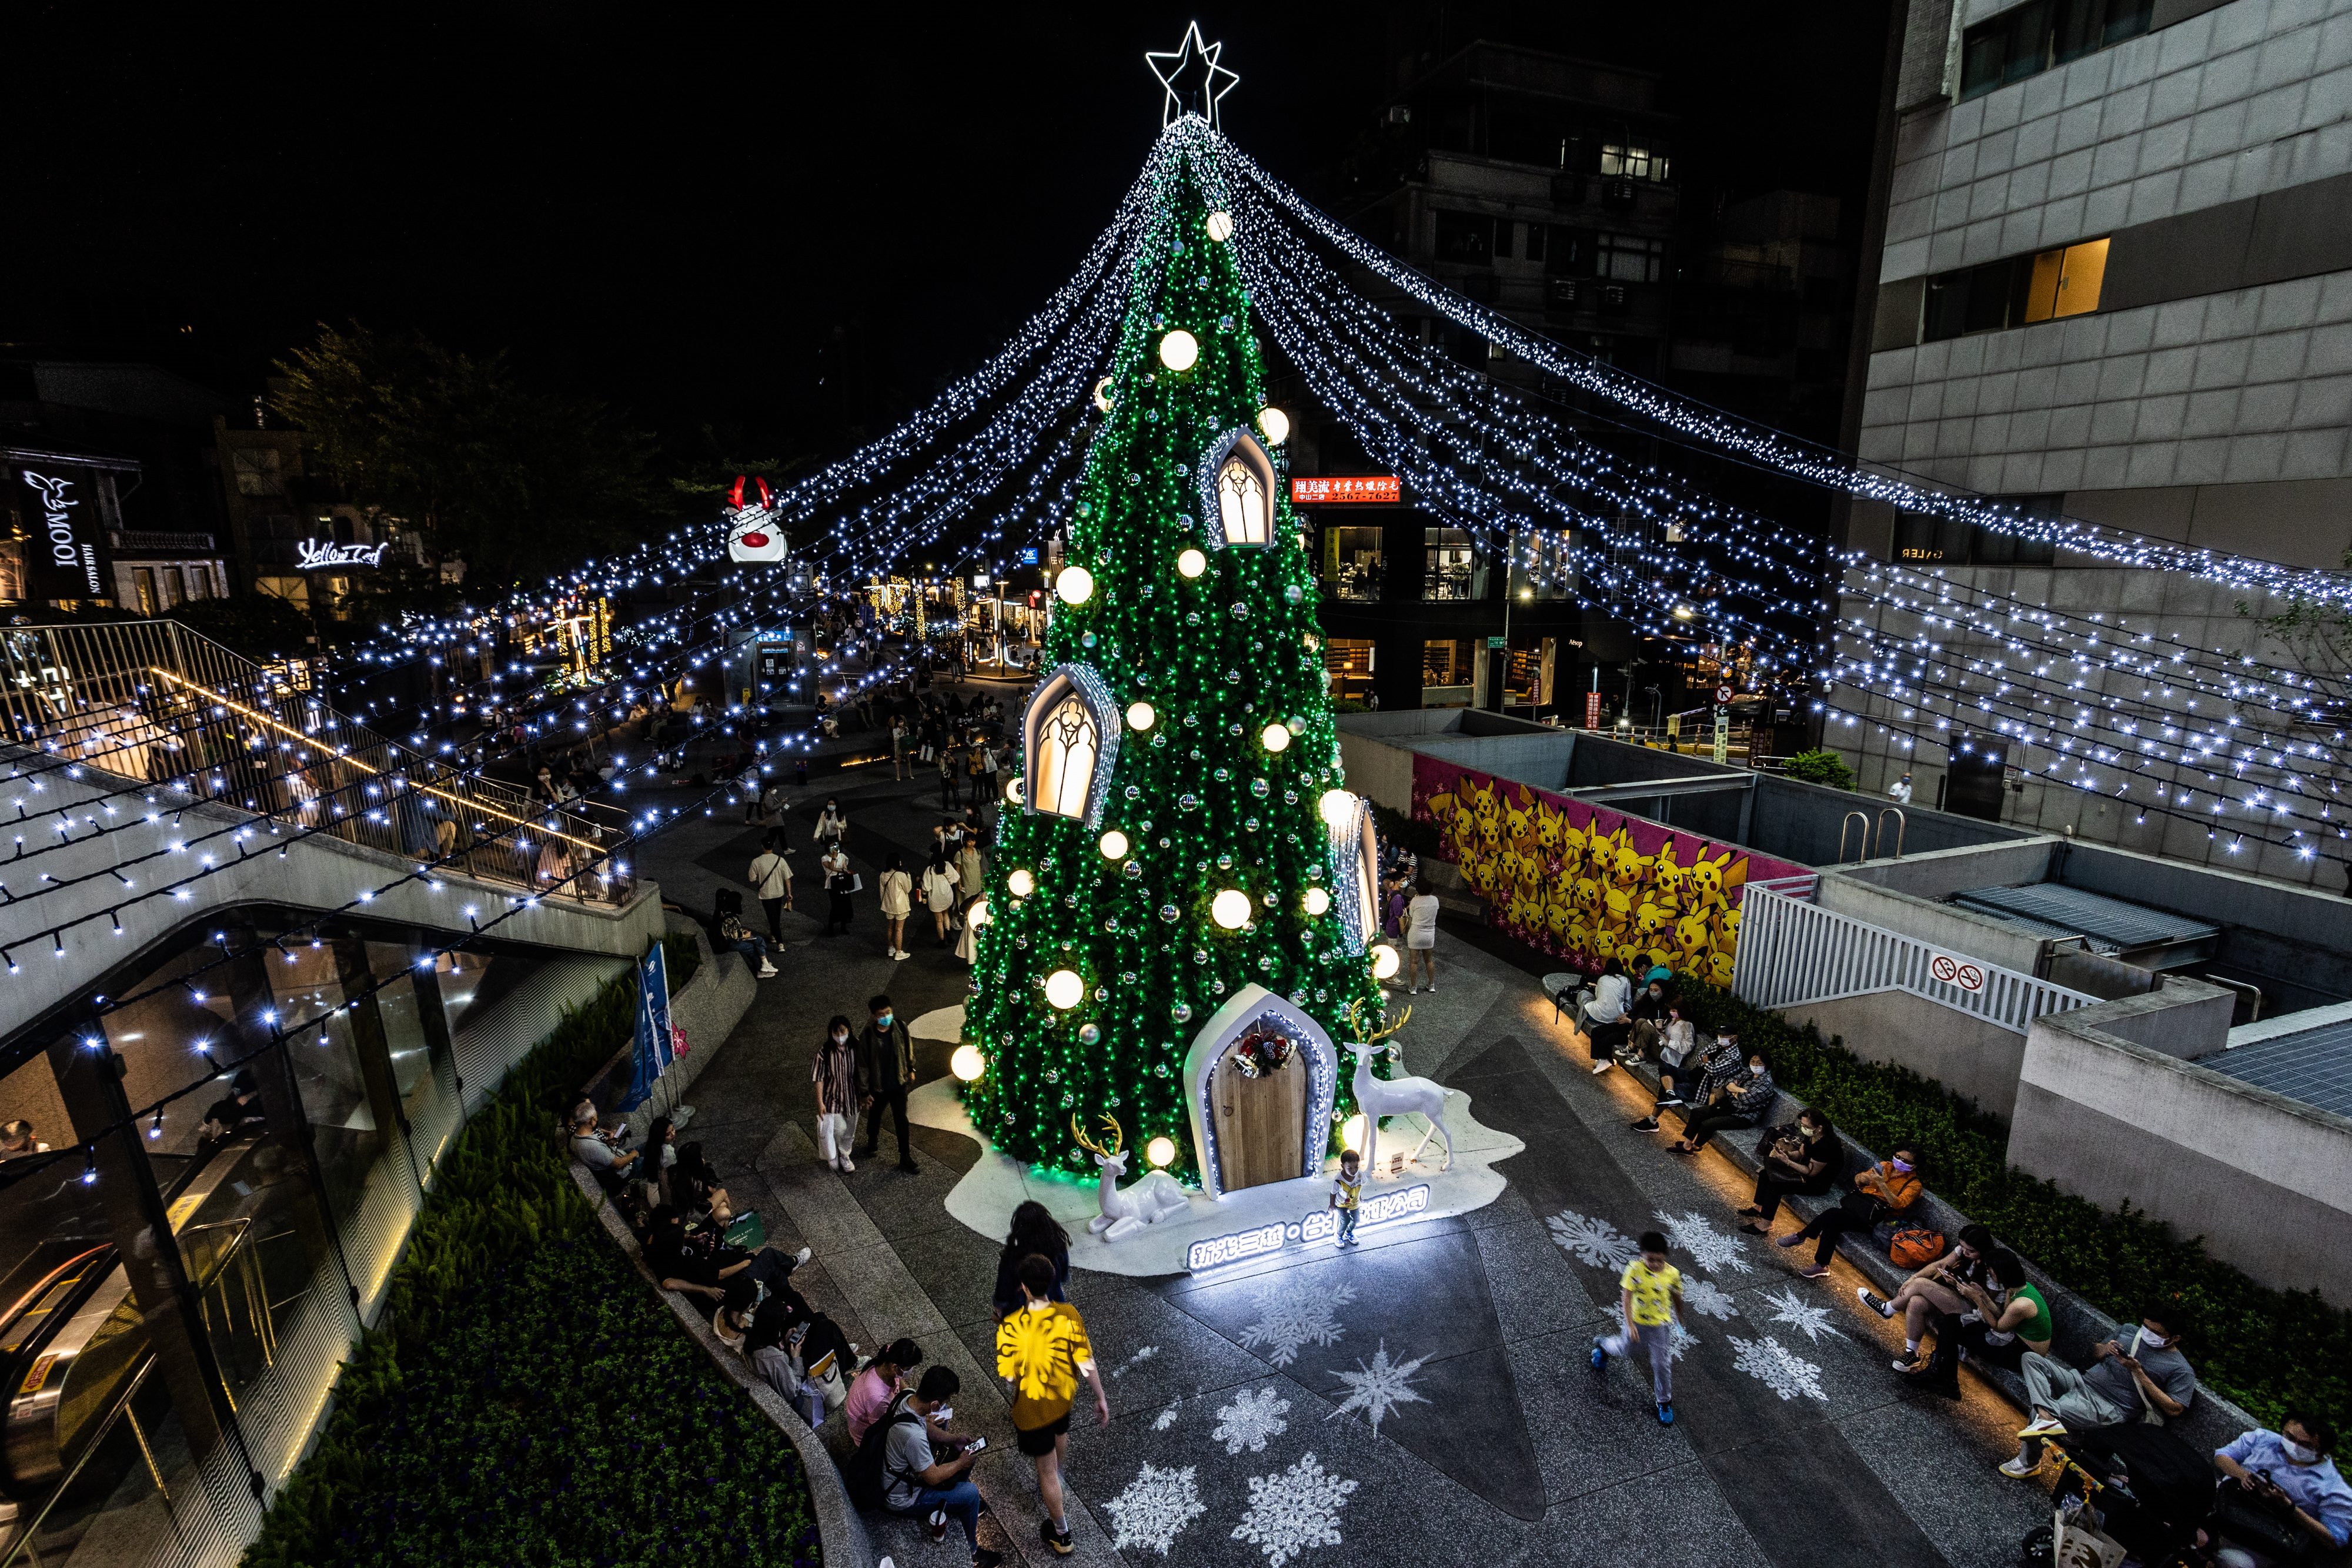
column 1263, row 1049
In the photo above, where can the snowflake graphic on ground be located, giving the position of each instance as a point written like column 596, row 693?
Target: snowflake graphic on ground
column 1379, row 1388
column 1593, row 1241
column 1807, row 1318
column 1710, row 1248
column 1167, row 1418
column 1683, row 1340
column 1292, row 1511
column 1710, row 1300
column 1778, row 1368
column 1251, row 1419
column 1132, row 1361
column 1294, row 1314
column 1155, row 1507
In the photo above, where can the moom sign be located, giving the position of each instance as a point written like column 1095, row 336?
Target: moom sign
column 66, row 556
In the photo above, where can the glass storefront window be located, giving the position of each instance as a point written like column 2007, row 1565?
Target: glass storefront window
column 1349, row 663
column 1455, row 568
column 1449, row 674
column 1351, row 562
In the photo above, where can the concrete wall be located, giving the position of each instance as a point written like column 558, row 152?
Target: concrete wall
column 1968, row 1055
column 1800, row 821
column 1937, row 875
column 2266, row 1181
column 1376, row 769
column 1960, row 930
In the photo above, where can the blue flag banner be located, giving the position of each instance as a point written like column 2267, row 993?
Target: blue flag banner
column 652, row 1057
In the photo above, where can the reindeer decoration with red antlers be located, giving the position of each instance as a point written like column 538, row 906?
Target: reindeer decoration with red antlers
column 752, row 531
column 1148, row 1202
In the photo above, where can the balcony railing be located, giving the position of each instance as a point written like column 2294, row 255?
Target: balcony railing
column 155, row 703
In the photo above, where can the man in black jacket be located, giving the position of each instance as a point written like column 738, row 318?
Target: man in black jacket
column 886, row 1061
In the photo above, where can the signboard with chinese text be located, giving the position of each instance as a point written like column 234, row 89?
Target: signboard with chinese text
column 65, row 558
column 1347, row 487
column 1314, row 1225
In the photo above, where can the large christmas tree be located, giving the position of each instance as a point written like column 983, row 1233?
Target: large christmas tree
column 1202, row 862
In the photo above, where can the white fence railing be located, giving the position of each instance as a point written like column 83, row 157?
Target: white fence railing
column 1791, row 953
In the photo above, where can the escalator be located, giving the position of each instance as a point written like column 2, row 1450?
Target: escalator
column 74, row 1347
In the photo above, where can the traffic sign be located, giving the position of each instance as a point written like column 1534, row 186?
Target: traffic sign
column 1494, row 642
column 1722, row 696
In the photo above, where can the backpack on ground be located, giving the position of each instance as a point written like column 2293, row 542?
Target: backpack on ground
column 867, row 1474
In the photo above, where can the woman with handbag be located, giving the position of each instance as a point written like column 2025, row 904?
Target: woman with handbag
column 894, row 884
column 838, row 885
column 1885, row 1191
column 940, row 882
column 1799, row 1159
column 838, row 1094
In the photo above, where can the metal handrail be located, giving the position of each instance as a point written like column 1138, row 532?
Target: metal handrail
column 1845, row 827
column 1878, row 833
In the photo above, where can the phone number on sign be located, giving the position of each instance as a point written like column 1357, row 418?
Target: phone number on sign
column 1316, row 1224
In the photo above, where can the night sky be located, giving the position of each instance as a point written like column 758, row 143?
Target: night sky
column 777, row 225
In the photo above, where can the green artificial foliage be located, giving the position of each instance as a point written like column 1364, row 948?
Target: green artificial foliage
column 1205, row 805
column 527, row 1398
column 1818, row 767
column 2262, row 1348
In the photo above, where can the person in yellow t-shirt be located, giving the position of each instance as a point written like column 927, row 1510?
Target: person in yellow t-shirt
column 1650, row 1306
column 1042, row 1350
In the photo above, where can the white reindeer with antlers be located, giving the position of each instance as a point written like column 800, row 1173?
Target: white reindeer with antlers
column 1379, row 1097
column 1148, row 1202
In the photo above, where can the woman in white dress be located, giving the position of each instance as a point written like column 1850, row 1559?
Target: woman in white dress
column 1421, row 937
column 896, row 886
column 940, row 882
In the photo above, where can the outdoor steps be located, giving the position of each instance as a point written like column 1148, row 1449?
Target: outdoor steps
column 2212, row 1421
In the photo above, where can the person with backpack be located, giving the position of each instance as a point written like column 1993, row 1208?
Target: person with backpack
column 771, row 877
column 897, row 1464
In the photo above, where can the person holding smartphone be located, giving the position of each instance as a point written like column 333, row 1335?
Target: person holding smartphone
column 916, row 1479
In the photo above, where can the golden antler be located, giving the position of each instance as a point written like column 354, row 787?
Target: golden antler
column 1117, row 1138
column 1084, row 1142
column 1373, row 1037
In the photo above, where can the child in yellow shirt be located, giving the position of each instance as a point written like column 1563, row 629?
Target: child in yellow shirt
column 1650, row 1304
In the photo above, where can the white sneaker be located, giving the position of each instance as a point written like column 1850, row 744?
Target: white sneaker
column 766, row 970
column 2019, row 1470
column 901, row 953
column 847, row 1164
column 1603, row 1065
column 1413, row 992
column 802, row 1257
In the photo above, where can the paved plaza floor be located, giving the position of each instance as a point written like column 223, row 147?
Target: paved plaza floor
column 1425, row 1399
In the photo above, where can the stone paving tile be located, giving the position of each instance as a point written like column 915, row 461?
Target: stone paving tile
column 1535, row 1286
column 1674, row 1518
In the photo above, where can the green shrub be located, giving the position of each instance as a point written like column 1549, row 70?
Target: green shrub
column 1818, row 766
column 2261, row 1347
column 527, row 1398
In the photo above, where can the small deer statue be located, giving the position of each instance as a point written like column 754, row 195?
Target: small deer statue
column 1148, row 1202
column 1379, row 1097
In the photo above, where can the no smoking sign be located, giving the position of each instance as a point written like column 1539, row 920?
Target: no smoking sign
column 1961, row 973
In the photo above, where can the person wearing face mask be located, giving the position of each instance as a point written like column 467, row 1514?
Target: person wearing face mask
column 1803, row 1160
column 1737, row 1102
column 2286, row 1477
column 1688, row 1075
column 886, row 1062
column 1885, row 1191
column 2008, row 1318
column 840, row 1088
column 831, row 827
column 2122, row 1383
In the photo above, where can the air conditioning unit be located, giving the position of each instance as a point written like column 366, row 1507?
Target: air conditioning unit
column 1613, row 299
column 1400, row 114
column 1620, row 194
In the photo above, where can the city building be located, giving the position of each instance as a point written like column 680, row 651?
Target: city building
column 295, row 535
column 2114, row 285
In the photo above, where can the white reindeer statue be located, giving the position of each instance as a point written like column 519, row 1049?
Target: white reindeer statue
column 1148, row 1202
column 1379, row 1097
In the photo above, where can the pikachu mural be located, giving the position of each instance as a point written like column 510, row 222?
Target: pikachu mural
column 1585, row 885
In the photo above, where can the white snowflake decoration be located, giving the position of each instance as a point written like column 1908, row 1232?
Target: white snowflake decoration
column 1708, row 1299
column 1709, row 1249
column 1250, row 1420
column 1155, row 1507
column 1776, row 1367
column 1292, row 1511
column 1132, row 1361
column 1807, row 1318
column 1683, row 1340
column 1379, row 1388
column 1593, row 1241
column 1295, row 1315
column 1167, row 1418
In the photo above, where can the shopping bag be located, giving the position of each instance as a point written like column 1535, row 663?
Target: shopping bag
column 747, row 1231
column 2078, row 1544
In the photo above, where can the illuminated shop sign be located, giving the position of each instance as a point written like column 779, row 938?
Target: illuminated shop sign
column 61, row 512
column 1347, row 487
column 318, row 557
column 1314, row 1225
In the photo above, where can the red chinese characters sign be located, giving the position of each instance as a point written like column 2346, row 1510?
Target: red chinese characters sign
column 1347, row 487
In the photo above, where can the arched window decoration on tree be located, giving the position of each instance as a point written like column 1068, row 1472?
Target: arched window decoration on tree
column 1356, row 865
column 1070, row 744
column 1237, row 482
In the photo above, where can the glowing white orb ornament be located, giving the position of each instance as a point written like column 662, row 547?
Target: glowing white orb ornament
column 1140, row 716
column 1275, row 737
column 1337, row 808
column 1221, row 227
column 1230, row 909
column 967, row 1063
column 1192, row 563
column 1384, row 962
column 977, row 915
column 1022, row 884
column 1316, row 901
column 1113, row 845
column 1012, row 790
column 1178, row 348
column 1351, row 1133
column 1160, row 1151
column 1065, row 991
column 1102, row 394
column 1076, row 585
column 1273, row 424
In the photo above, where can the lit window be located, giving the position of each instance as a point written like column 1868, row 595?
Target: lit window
column 1238, row 477
column 1065, row 759
column 1633, row 163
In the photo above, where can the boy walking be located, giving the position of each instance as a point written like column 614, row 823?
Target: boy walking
column 1650, row 1304
column 1042, row 1351
column 1347, row 1191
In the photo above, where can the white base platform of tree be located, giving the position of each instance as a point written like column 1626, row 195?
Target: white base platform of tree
column 984, row 1199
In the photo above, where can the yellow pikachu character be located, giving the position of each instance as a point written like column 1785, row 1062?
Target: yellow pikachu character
column 1560, row 923
column 1626, row 869
column 1551, row 831
column 1519, row 817
column 1617, row 910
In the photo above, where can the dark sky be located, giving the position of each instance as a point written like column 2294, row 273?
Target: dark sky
column 696, row 213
